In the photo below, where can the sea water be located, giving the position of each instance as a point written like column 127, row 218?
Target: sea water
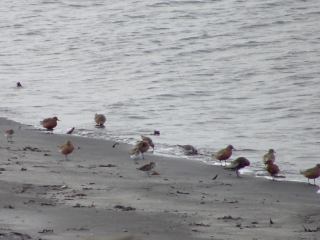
column 205, row 73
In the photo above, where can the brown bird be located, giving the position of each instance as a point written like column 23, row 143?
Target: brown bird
column 100, row 119
column 238, row 164
column 49, row 123
column 188, row 149
column 148, row 168
column 143, row 146
column 149, row 140
column 223, row 154
column 9, row 134
column 272, row 168
column 312, row 173
column 269, row 157
column 67, row 148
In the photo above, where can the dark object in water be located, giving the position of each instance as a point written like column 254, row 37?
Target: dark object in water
column 19, row 84
column 156, row 133
column 70, row 131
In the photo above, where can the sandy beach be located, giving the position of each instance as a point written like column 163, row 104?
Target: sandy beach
column 100, row 194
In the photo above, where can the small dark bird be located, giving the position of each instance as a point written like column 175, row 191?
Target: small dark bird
column 188, row 149
column 19, row 84
column 269, row 156
column 223, row 154
column 49, row 123
column 312, row 173
column 149, row 168
column 238, row 164
column 67, row 148
column 271, row 222
column 100, row 119
column 149, row 140
column 156, row 133
column 143, row 146
column 272, row 168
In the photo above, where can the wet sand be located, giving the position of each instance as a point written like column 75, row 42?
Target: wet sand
column 99, row 193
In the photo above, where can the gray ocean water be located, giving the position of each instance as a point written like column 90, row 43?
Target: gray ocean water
column 205, row 73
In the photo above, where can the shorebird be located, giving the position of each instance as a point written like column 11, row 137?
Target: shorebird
column 272, row 168
column 9, row 134
column 269, row 157
column 223, row 154
column 49, row 123
column 148, row 168
column 312, row 173
column 136, row 155
column 188, row 149
column 142, row 146
column 149, row 140
column 67, row 148
column 100, row 119
column 238, row 164
column 19, row 84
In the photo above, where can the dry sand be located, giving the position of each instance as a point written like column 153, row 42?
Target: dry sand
column 99, row 194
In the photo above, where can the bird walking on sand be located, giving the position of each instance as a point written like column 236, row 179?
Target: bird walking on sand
column 9, row 134
column 188, row 149
column 142, row 146
column 238, row 164
column 149, row 141
column 49, row 123
column 149, row 168
column 223, row 154
column 67, row 148
column 272, row 168
column 312, row 173
column 100, row 119
column 269, row 157
column 136, row 155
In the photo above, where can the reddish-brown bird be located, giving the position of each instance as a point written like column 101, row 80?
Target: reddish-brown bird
column 100, row 119
column 49, row 123
column 238, row 164
column 272, row 168
column 143, row 146
column 67, row 148
column 312, row 173
column 223, row 154
column 149, row 140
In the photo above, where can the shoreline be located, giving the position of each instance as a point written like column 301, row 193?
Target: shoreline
column 44, row 196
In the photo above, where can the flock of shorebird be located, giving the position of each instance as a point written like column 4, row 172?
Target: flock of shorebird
column 143, row 146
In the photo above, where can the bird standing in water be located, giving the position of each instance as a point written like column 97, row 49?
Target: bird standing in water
column 100, row 119
column 238, row 164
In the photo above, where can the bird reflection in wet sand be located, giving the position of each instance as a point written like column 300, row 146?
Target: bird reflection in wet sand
column 67, row 148
column 269, row 157
column 312, row 173
column 238, row 164
column 100, row 119
column 223, row 154
column 142, row 146
column 188, row 149
column 149, row 168
column 9, row 134
column 49, row 123
column 272, row 168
